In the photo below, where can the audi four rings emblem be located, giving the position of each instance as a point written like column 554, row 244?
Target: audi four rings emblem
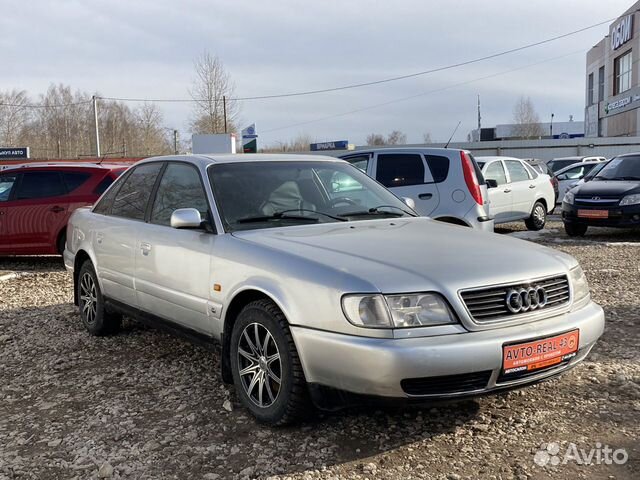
column 526, row 299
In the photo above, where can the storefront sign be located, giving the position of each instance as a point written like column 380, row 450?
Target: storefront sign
column 622, row 32
column 12, row 153
column 338, row 145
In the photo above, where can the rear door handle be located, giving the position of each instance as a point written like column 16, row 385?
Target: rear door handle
column 56, row 209
column 532, row 186
column 425, row 196
column 145, row 248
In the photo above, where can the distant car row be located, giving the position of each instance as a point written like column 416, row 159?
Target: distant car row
column 449, row 185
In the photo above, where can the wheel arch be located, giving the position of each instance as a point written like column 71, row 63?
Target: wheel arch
column 239, row 300
column 542, row 200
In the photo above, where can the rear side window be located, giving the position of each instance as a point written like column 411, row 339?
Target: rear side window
column 73, row 180
column 439, row 167
column 517, row 172
column 180, row 187
column 359, row 161
column 132, row 198
column 6, row 185
column 400, row 169
column 495, row 171
column 40, row 185
column 106, row 182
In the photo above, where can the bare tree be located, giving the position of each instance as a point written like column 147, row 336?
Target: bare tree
column 526, row 119
column 396, row 138
column 426, row 137
column 152, row 136
column 375, row 139
column 14, row 115
column 211, row 85
column 298, row 144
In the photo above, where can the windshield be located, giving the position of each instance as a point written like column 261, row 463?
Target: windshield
column 252, row 195
column 620, row 168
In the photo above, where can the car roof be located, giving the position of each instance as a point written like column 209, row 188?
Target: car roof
column 490, row 158
column 578, row 164
column 65, row 165
column 213, row 158
column 576, row 158
column 633, row 154
column 432, row 150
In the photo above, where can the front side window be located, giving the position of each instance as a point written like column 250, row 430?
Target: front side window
column 133, row 196
column 495, row 171
column 517, row 172
column 40, row 185
column 622, row 73
column 252, row 195
column 6, row 185
column 400, row 169
column 180, row 187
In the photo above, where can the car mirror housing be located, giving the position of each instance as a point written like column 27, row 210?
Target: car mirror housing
column 186, row 218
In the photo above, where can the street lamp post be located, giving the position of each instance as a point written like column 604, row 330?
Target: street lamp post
column 551, row 127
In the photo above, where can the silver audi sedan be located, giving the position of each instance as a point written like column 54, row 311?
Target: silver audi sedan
column 322, row 286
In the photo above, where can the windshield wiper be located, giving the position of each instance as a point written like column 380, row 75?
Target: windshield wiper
column 286, row 215
column 377, row 211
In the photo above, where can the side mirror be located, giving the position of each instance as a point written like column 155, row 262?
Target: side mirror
column 491, row 183
column 186, row 218
column 562, row 177
column 409, row 202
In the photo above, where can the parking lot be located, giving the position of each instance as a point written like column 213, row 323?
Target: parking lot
column 143, row 404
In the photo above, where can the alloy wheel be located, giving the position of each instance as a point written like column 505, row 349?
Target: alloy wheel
column 88, row 298
column 539, row 215
column 259, row 365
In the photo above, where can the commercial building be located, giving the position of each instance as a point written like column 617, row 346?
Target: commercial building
column 613, row 80
column 546, row 130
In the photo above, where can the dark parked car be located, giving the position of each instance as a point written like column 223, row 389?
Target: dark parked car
column 563, row 162
column 541, row 167
column 610, row 199
column 37, row 199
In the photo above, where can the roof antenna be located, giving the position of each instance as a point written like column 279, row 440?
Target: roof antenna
column 454, row 132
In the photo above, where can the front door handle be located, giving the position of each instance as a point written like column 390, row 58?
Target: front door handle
column 425, row 196
column 56, row 209
column 532, row 186
column 145, row 248
column 507, row 190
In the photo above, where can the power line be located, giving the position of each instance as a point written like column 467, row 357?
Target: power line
column 397, row 100
column 43, row 105
column 375, row 82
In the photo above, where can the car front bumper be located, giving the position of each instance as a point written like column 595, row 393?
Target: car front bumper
column 462, row 364
column 627, row 216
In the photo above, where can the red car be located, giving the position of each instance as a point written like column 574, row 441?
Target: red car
column 37, row 199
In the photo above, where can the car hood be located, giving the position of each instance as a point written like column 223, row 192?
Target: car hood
column 607, row 188
column 411, row 254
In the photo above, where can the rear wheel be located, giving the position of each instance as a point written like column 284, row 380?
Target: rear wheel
column 266, row 368
column 575, row 229
column 538, row 217
column 96, row 319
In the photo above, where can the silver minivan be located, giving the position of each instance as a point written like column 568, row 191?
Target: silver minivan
column 446, row 184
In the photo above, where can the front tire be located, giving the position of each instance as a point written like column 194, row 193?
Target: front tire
column 575, row 229
column 266, row 369
column 96, row 319
column 538, row 217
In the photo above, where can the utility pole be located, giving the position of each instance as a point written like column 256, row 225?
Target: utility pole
column 551, row 127
column 175, row 142
column 95, row 117
column 479, row 117
column 124, row 148
column 224, row 111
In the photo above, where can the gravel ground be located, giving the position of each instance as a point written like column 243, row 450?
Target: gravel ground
column 145, row 405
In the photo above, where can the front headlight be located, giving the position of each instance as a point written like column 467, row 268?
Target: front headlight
column 630, row 200
column 569, row 197
column 579, row 284
column 397, row 311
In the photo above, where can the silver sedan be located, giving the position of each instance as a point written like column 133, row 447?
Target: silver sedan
column 323, row 287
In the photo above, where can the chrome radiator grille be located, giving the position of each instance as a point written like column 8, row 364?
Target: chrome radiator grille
column 505, row 301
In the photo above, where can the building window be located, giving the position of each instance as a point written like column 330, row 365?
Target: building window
column 601, row 84
column 622, row 73
column 590, row 90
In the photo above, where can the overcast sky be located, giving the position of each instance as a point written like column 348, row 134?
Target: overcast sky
column 146, row 48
